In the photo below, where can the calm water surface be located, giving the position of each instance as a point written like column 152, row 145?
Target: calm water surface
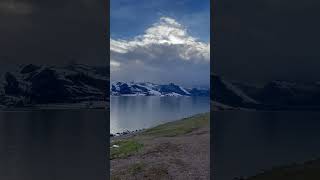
column 132, row 113
column 245, row 143
column 53, row 145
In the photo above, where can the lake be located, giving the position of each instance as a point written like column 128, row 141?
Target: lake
column 53, row 144
column 245, row 143
column 137, row 112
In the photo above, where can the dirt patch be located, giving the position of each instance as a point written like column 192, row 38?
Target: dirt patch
column 166, row 147
column 140, row 171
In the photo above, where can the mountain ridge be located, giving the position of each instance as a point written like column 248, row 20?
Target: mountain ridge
column 119, row 88
column 31, row 84
column 274, row 95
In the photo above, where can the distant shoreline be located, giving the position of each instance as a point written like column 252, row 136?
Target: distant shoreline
column 143, row 95
column 215, row 106
column 98, row 105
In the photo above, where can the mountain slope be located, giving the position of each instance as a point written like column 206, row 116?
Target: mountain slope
column 229, row 94
column 32, row 84
column 275, row 95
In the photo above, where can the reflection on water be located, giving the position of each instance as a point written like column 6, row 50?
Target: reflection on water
column 247, row 142
column 132, row 113
column 53, row 145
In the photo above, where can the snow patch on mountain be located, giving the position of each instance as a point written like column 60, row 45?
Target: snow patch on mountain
column 31, row 85
column 239, row 92
column 274, row 95
column 152, row 89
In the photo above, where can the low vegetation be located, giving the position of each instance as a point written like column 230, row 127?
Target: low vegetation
column 124, row 148
column 163, row 152
column 129, row 146
column 180, row 127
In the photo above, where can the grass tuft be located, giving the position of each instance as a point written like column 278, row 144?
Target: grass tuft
column 125, row 149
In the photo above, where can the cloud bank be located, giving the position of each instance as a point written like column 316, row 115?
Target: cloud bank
column 164, row 53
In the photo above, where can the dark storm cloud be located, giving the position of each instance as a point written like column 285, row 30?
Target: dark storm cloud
column 53, row 32
column 266, row 40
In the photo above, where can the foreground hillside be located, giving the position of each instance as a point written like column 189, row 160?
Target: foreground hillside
column 175, row 150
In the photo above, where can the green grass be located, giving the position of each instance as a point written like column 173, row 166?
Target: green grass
column 125, row 149
column 180, row 127
column 131, row 145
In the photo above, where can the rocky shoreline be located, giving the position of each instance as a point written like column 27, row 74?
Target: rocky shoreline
column 125, row 133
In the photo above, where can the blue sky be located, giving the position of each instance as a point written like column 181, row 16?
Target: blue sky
column 160, row 41
column 131, row 17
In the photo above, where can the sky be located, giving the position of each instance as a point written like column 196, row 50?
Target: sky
column 53, row 32
column 160, row 41
column 265, row 40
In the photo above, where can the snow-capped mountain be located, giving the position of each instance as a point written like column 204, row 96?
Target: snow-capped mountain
column 152, row 89
column 284, row 93
column 227, row 93
column 275, row 95
column 32, row 84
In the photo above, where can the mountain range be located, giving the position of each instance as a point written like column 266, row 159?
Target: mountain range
column 74, row 85
column 31, row 84
column 152, row 89
column 274, row 95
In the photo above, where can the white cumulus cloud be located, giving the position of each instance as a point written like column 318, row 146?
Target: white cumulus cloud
column 165, row 52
